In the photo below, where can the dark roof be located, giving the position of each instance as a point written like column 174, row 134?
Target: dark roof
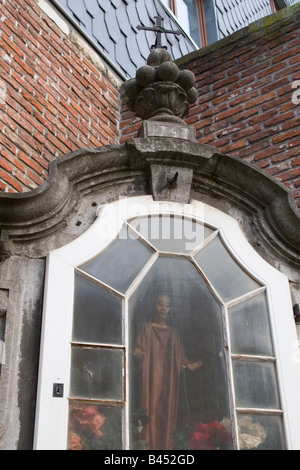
column 111, row 26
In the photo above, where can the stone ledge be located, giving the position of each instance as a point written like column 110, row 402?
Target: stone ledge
column 44, row 211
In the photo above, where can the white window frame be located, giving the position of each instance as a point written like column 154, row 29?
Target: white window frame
column 52, row 412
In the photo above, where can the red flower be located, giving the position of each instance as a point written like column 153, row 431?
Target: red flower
column 209, row 436
column 74, row 442
column 88, row 417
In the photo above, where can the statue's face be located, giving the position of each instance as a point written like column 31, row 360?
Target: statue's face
column 163, row 306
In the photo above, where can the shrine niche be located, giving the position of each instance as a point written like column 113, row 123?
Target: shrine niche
column 160, row 240
column 168, row 341
column 178, row 374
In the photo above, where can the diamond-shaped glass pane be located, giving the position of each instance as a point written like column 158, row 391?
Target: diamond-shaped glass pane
column 169, row 233
column 225, row 274
column 121, row 262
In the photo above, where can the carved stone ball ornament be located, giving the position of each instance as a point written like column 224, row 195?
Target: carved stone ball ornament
column 160, row 90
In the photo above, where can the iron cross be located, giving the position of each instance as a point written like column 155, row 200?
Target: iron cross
column 158, row 29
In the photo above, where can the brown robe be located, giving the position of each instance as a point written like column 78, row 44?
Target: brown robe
column 163, row 358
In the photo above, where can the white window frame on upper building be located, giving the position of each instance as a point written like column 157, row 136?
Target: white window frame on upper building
column 178, row 9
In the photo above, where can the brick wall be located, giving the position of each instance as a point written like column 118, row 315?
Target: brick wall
column 245, row 86
column 53, row 97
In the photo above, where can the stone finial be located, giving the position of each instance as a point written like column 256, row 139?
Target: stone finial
column 161, row 91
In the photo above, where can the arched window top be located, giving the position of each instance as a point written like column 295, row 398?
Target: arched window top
column 135, row 249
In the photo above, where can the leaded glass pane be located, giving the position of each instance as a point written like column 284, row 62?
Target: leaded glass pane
column 249, row 327
column 170, row 233
column 94, row 427
column 177, row 367
column 261, row 432
column 255, row 384
column 97, row 373
column 97, row 314
column 228, row 278
column 120, row 263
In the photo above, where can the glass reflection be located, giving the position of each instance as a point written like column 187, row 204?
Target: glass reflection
column 94, row 427
column 120, row 263
column 261, row 432
column 249, row 327
column 2, row 338
column 97, row 314
column 223, row 272
column 170, row 233
column 97, row 373
column 179, row 393
column 255, row 384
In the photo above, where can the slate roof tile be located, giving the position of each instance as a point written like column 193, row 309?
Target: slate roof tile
column 112, row 26
column 132, row 45
column 143, row 13
column 92, row 7
column 104, row 4
column 235, row 14
column 98, row 27
column 123, row 20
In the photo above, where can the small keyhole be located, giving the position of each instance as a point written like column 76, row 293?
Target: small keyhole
column 58, row 390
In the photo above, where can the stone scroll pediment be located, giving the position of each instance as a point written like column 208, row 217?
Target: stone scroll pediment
column 124, row 170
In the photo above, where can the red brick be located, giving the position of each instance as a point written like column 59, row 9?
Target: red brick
column 244, row 115
column 270, row 152
column 244, row 98
column 260, row 100
column 286, row 136
column 10, row 180
column 251, row 150
column 285, row 55
column 290, row 122
column 265, row 134
column 296, row 161
column 230, row 112
column 273, row 69
column 288, row 175
column 234, row 147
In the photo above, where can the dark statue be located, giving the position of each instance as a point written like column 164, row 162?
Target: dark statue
column 161, row 91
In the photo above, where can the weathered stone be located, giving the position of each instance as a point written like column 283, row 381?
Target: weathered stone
column 158, row 56
column 165, row 129
column 186, row 79
column 145, row 75
column 171, row 183
column 176, row 169
column 160, row 91
column 168, row 71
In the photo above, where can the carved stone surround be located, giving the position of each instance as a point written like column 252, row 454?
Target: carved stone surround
column 170, row 168
column 223, row 181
